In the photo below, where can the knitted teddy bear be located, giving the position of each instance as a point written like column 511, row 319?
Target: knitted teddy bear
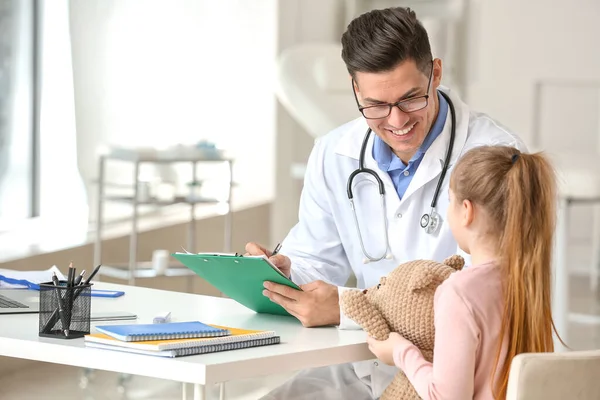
column 402, row 302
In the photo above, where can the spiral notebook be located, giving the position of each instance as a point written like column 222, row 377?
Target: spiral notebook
column 171, row 330
column 237, row 335
column 189, row 351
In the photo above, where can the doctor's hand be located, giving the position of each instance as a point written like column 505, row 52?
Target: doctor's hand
column 282, row 262
column 317, row 304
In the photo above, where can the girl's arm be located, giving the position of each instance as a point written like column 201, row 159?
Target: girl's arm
column 456, row 341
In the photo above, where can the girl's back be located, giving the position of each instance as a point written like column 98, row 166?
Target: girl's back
column 479, row 289
column 502, row 213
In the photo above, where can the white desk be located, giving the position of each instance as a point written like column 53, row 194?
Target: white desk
column 300, row 347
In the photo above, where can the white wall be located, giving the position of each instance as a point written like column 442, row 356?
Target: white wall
column 520, row 43
column 159, row 73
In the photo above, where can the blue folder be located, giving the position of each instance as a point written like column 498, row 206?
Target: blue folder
column 35, row 286
column 167, row 331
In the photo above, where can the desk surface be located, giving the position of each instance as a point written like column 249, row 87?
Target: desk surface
column 300, row 347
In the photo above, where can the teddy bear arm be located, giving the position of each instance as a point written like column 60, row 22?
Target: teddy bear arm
column 357, row 307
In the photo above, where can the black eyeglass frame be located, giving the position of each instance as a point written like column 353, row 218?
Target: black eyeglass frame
column 398, row 103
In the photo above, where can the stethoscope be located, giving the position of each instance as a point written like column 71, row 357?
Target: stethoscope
column 431, row 221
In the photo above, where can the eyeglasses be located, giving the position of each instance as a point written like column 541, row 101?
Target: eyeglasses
column 407, row 105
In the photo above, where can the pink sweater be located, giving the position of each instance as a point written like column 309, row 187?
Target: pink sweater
column 468, row 316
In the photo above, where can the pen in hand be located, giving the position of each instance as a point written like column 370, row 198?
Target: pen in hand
column 276, row 250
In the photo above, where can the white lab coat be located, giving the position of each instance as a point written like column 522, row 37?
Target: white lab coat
column 324, row 244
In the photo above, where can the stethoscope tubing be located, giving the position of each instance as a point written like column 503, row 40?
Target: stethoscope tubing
column 361, row 169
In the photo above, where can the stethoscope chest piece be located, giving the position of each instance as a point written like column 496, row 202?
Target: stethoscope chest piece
column 431, row 222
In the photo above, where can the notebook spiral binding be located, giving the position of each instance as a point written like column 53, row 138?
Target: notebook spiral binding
column 190, row 335
column 225, row 346
column 220, row 340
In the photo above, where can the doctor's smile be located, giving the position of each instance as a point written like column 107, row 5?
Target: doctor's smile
column 403, row 132
column 400, row 105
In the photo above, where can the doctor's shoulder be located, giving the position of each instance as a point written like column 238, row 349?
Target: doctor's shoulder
column 354, row 128
column 487, row 131
column 341, row 139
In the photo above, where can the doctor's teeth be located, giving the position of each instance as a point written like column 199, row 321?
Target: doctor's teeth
column 401, row 132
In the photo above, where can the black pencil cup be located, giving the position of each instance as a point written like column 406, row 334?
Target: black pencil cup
column 65, row 311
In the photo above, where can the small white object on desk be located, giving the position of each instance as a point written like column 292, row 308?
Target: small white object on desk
column 160, row 261
column 162, row 318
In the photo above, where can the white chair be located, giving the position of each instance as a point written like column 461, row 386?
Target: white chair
column 570, row 375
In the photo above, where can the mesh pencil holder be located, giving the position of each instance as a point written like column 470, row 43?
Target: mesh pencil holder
column 65, row 311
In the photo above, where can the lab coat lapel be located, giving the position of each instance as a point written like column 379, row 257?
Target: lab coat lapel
column 392, row 200
column 350, row 145
column 351, row 139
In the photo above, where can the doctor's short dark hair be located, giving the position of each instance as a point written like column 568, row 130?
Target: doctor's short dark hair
column 379, row 40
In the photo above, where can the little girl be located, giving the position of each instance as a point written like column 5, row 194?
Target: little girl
column 502, row 213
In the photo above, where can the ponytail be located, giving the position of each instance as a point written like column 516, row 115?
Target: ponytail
column 518, row 191
column 526, row 243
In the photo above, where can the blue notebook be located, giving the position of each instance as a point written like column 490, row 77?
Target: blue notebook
column 171, row 330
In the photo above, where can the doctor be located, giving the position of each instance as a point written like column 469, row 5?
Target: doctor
column 375, row 190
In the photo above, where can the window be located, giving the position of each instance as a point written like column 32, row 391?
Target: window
column 18, row 111
column 123, row 74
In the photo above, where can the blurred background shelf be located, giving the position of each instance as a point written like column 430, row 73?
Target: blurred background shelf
column 143, row 270
column 175, row 154
column 159, row 202
column 140, row 194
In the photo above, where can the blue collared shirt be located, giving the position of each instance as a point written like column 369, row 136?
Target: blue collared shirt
column 400, row 173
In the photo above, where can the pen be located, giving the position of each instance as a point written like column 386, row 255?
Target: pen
column 277, row 248
column 79, row 278
column 94, row 272
column 70, row 297
column 71, row 275
column 61, row 311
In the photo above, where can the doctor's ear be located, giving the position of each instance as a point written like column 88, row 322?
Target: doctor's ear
column 437, row 73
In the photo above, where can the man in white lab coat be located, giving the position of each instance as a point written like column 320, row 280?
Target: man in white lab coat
column 397, row 87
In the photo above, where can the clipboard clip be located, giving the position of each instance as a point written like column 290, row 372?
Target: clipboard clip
column 236, row 254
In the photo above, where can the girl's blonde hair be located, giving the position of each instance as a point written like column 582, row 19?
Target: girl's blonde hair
column 518, row 193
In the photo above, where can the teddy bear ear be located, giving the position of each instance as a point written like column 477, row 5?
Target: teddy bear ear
column 423, row 279
column 455, row 261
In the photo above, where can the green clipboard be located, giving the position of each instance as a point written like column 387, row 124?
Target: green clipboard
column 238, row 277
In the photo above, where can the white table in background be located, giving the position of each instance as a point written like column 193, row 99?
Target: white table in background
column 300, row 347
